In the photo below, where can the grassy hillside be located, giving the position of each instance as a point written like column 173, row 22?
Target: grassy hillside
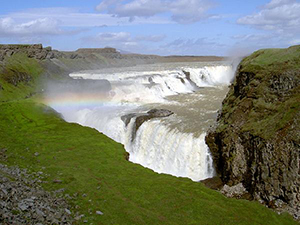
column 93, row 167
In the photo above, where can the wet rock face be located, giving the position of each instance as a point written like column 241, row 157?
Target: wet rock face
column 140, row 118
column 188, row 77
column 256, row 141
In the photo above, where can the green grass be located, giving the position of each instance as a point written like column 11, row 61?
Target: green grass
column 87, row 162
column 271, row 57
column 84, row 159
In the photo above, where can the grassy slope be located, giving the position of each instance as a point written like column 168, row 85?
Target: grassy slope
column 88, row 162
column 16, row 65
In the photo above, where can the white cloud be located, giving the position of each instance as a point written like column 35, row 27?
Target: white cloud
column 113, row 37
column 151, row 38
column 280, row 16
column 43, row 26
column 264, row 40
column 199, row 46
column 136, row 44
column 182, row 11
column 69, row 17
column 189, row 11
column 136, row 8
column 122, row 40
column 276, row 3
column 253, row 37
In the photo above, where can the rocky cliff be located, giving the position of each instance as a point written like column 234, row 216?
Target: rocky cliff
column 82, row 59
column 89, row 58
column 256, row 141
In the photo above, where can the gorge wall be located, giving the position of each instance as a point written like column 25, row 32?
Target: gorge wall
column 256, row 140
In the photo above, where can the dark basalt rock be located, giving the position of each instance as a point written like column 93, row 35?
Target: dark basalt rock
column 140, row 118
column 256, row 141
column 127, row 118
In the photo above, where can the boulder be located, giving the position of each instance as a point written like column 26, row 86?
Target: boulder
column 236, row 191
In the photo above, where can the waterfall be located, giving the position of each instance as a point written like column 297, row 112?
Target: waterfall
column 157, row 145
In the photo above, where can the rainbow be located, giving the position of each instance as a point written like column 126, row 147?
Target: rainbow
column 86, row 100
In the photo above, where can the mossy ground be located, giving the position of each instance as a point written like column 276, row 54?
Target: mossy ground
column 87, row 162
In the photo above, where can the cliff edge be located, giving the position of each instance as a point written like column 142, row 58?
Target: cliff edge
column 256, row 140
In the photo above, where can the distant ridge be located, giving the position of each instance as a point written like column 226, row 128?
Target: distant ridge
column 92, row 58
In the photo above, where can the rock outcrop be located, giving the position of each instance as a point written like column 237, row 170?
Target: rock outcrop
column 32, row 51
column 256, row 141
column 90, row 58
column 140, row 118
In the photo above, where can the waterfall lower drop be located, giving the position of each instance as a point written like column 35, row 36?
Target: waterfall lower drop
column 169, row 151
column 173, row 145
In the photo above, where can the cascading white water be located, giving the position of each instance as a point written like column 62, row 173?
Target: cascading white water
column 211, row 76
column 172, row 152
column 160, row 144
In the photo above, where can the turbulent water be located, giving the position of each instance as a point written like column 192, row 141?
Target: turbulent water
column 173, row 145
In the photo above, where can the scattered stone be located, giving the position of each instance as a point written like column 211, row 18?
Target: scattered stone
column 23, row 206
column 99, row 213
column 79, row 217
column 23, row 201
column 36, row 154
column 68, row 211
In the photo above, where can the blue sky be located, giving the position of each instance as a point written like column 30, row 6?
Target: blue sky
column 164, row 27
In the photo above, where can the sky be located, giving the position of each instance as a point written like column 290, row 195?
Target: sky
column 161, row 27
